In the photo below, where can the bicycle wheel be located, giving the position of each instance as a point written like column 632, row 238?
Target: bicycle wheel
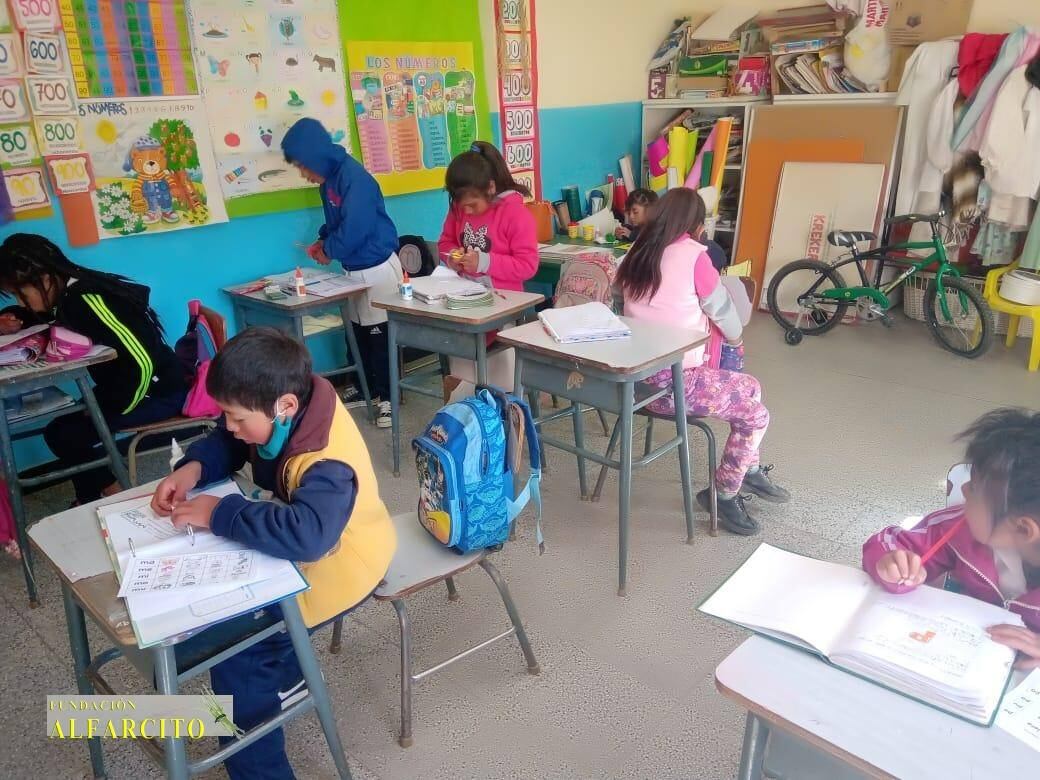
column 793, row 297
column 968, row 329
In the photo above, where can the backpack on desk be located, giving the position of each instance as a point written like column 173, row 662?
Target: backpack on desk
column 466, row 460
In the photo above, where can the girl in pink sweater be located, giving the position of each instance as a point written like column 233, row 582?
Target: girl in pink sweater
column 488, row 231
column 668, row 278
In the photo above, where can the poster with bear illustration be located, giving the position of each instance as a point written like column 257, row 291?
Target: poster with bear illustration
column 153, row 165
column 262, row 66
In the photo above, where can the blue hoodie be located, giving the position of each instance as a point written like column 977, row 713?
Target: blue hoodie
column 357, row 231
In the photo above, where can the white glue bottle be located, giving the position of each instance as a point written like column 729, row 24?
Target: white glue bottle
column 406, row 287
column 176, row 454
column 301, row 285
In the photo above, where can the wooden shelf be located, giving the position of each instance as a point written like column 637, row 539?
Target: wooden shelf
column 674, row 103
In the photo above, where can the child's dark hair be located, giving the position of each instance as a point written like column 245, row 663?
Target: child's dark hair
column 25, row 258
column 680, row 212
column 1004, row 453
column 259, row 366
column 474, row 172
column 640, row 197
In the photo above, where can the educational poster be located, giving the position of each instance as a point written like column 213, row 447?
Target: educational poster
column 518, row 90
column 129, row 48
column 262, row 66
column 153, row 164
column 415, row 105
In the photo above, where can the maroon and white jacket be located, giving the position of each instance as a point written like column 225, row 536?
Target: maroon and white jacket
column 969, row 562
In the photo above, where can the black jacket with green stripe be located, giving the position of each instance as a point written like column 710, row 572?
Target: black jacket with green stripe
column 145, row 366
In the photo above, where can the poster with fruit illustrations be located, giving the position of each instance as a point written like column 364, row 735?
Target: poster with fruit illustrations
column 153, row 165
column 415, row 105
column 263, row 65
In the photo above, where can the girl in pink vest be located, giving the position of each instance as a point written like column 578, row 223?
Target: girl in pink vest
column 668, row 278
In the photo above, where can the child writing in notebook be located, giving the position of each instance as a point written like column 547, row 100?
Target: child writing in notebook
column 488, row 235
column 144, row 384
column 359, row 235
column 305, row 447
column 637, row 213
column 991, row 543
column 667, row 278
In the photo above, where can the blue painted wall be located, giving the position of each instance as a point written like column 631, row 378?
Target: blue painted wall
column 579, row 146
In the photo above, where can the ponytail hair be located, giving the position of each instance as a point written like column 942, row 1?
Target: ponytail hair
column 26, row 258
column 679, row 213
column 476, row 170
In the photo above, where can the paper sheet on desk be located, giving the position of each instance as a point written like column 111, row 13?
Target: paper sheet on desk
column 1019, row 713
column 334, row 285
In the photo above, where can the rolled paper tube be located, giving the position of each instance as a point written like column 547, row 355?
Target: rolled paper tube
column 657, row 156
column 677, row 140
column 573, row 198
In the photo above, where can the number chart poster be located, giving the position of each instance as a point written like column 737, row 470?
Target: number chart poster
column 153, row 165
column 415, row 106
column 123, row 48
column 262, row 69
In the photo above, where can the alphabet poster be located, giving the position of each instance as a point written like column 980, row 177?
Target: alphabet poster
column 153, row 165
column 262, row 66
column 415, row 105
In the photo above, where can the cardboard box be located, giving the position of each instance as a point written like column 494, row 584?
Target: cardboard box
column 699, row 83
column 900, row 55
column 911, row 22
column 656, row 84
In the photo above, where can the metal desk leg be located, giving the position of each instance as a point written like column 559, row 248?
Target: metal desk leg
column 625, row 489
column 301, row 641
column 14, row 489
column 481, row 358
column 114, row 458
column 756, row 732
column 395, row 393
column 297, row 328
column 166, row 681
column 578, row 422
column 80, row 648
column 679, row 394
column 241, row 321
column 355, row 357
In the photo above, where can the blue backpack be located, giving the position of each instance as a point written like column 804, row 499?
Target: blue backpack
column 465, row 460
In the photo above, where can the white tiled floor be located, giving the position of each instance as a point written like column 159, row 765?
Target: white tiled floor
column 863, row 431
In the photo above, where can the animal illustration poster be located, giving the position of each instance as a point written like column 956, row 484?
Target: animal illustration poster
column 262, row 66
column 153, row 165
column 415, row 105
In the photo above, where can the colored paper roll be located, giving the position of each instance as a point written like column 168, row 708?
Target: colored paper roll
column 657, row 156
column 673, row 178
column 573, row 198
column 678, row 138
column 691, row 151
column 659, row 184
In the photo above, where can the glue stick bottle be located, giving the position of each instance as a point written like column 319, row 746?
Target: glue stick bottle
column 301, row 285
column 406, row 287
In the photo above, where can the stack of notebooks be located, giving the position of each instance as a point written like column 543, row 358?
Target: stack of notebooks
column 587, row 322
column 40, row 402
column 930, row 645
column 174, row 582
column 443, row 282
column 472, row 300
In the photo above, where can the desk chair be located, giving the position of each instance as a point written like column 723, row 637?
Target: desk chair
column 419, row 562
column 1015, row 312
column 697, row 422
column 180, row 423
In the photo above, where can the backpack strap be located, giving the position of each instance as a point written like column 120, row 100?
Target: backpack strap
column 531, row 491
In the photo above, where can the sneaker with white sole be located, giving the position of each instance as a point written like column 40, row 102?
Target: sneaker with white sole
column 352, row 397
column 296, row 693
column 384, row 417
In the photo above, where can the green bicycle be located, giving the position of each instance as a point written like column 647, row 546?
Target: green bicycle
column 809, row 297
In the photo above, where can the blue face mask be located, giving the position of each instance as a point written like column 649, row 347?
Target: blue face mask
column 279, row 436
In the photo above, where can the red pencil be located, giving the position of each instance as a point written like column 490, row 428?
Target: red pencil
column 942, row 542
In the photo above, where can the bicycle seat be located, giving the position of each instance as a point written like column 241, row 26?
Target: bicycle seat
column 849, row 238
column 902, row 218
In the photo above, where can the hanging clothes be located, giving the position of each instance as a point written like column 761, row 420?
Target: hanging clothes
column 996, row 244
column 926, row 74
column 977, row 108
column 1030, row 257
column 1010, row 148
column 976, row 55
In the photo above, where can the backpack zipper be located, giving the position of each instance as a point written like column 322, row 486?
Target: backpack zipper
column 1005, row 601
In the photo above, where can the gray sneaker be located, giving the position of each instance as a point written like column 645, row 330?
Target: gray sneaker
column 384, row 418
column 759, row 483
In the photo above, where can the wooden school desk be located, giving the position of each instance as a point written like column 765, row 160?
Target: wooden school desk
column 460, row 333
column 603, row 375
column 17, row 380
column 255, row 308
column 873, row 730
column 71, row 542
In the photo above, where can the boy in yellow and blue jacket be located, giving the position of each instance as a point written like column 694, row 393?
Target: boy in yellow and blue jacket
column 305, row 447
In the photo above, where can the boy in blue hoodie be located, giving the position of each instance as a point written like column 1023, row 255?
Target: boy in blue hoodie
column 358, row 234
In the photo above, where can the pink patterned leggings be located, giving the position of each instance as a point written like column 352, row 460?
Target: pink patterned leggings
column 729, row 396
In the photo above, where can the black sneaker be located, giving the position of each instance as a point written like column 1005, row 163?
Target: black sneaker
column 352, row 397
column 733, row 514
column 759, row 483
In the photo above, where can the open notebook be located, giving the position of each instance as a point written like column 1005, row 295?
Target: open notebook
column 174, row 583
column 929, row 644
column 443, row 282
